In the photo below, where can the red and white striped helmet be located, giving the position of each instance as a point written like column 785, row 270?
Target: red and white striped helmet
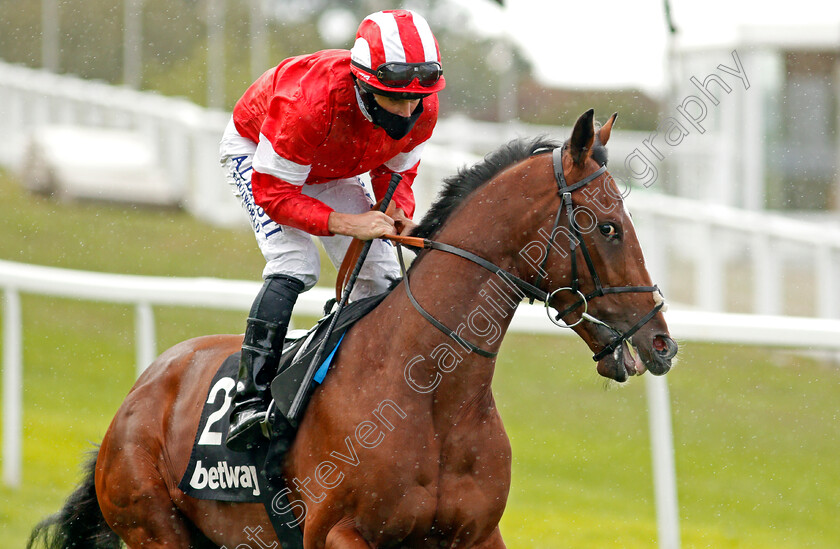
column 395, row 51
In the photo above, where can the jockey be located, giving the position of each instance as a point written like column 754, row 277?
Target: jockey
column 293, row 151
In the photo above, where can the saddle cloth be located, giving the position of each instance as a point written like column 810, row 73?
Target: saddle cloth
column 216, row 473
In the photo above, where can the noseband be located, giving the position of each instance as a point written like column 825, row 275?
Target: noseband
column 533, row 291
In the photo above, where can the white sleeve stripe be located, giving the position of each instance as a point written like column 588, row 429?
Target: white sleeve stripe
column 390, row 36
column 405, row 160
column 270, row 163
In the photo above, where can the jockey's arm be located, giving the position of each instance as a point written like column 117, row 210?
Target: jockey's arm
column 285, row 204
column 403, row 199
column 365, row 226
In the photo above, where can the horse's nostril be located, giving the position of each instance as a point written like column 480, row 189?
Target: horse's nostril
column 665, row 347
column 659, row 344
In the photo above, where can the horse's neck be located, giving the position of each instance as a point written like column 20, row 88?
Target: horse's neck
column 465, row 297
column 475, row 303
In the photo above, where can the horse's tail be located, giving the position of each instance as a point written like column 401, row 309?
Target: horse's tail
column 79, row 523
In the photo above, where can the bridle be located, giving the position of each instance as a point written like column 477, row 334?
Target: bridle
column 564, row 190
column 533, row 291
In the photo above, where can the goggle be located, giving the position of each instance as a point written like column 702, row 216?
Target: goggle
column 400, row 75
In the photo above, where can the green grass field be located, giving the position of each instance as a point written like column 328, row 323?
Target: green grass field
column 757, row 432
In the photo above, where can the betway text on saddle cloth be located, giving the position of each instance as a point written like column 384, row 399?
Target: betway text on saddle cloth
column 225, row 477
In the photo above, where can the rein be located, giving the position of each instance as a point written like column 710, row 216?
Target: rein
column 528, row 289
column 533, row 291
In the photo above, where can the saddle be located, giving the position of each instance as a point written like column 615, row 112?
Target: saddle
column 298, row 352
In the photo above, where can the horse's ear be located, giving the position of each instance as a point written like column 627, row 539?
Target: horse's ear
column 582, row 136
column 604, row 132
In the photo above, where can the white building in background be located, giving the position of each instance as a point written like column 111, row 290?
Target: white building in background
column 773, row 145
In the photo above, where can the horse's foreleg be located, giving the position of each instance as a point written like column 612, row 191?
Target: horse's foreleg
column 493, row 542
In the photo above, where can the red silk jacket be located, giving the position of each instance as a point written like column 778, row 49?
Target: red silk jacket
column 310, row 128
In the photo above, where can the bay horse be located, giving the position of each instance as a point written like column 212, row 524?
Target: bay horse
column 408, row 403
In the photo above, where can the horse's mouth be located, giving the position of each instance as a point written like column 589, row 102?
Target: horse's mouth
column 628, row 360
column 621, row 364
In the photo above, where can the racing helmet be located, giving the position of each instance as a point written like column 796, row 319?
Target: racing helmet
column 396, row 54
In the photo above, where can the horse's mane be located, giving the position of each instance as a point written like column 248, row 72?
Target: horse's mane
column 458, row 187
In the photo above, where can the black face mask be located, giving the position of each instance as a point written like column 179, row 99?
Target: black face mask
column 395, row 126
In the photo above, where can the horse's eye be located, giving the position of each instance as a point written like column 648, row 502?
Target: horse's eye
column 609, row 230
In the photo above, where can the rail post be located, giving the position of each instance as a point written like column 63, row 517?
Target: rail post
column 662, row 454
column 12, row 388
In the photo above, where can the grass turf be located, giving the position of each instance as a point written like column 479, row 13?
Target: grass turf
column 756, row 431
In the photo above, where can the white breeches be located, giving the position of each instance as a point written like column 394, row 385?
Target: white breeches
column 289, row 251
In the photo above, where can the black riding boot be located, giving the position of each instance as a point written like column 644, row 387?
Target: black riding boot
column 261, row 349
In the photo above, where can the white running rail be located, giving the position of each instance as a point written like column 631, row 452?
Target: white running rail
column 182, row 136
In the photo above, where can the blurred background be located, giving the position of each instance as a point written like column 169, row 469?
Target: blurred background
column 110, row 116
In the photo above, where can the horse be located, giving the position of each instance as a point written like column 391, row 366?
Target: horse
column 402, row 445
